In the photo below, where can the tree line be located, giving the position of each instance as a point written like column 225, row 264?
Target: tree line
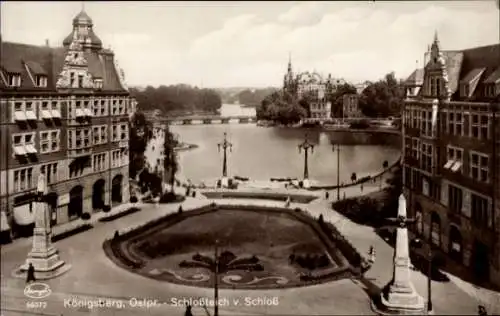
column 177, row 98
column 383, row 98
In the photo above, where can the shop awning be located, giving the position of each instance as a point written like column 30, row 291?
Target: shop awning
column 46, row 115
column 456, row 166
column 24, row 215
column 31, row 116
column 30, row 148
column 56, row 114
column 88, row 112
column 79, row 113
column 20, row 116
column 448, row 164
column 4, row 223
column 19, row 150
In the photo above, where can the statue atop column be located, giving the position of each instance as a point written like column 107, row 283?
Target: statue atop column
column 44, row 257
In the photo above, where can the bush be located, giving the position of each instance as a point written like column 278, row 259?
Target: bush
column 106, row 208
column 133, row 199
column 85, row 216
column 361, row 124
column 168, row 197
column 298, row 210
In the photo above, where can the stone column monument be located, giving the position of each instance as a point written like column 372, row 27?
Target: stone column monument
column 400, row 295
column 44, row 256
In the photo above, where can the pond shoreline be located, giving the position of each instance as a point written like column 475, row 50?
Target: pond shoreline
column 185, row 147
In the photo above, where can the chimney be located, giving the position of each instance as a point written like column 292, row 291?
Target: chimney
column 47, row 42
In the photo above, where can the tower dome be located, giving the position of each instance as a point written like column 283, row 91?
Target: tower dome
column 83, row 27
column 82, row 19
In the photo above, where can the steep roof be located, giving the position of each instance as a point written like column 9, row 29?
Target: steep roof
column 480, row 63
column 49, row 61
column 416, row 78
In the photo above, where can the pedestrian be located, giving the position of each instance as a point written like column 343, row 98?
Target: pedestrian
column 117, row 234
column 371, row 253
column 327, row 195
column 343, row 197
column 188, row 311
column 481, row 310
column 30, row 275
column 361, row 187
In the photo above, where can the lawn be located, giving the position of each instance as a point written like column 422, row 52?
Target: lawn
column 269, row 236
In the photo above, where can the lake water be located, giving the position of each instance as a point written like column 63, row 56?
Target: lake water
column 261, row 153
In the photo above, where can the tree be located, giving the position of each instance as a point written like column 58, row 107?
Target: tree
column 170, row 163
column 281, row 107
column 180, row 97
column 382, row 98
column 139, row 136
column 337, row 98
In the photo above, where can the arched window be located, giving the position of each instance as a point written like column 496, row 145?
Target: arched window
column 419, row 216
column 435, row 229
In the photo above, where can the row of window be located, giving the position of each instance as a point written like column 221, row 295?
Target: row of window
column 52, row 109
column 478, row 162
column 24, row 179
column 77, row 138
column 480, row 207
column 14, row 80
column 458, row 123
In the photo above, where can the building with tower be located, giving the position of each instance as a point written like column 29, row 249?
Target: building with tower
column 64, row 113
column 314, row 88
column 451, row 145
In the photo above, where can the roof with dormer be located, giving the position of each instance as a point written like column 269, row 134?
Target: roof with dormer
column 478, row 65
column 26, row 60
column 29, row 61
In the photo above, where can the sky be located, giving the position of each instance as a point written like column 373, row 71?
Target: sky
column 248, row 44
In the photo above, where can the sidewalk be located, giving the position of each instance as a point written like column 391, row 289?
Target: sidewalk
column 77, row 223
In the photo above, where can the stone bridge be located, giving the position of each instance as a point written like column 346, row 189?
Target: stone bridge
column 208, row 119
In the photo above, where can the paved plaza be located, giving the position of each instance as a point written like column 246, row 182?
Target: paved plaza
column 93, row 276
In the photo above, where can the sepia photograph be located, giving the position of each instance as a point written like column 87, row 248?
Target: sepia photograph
column 245, row 158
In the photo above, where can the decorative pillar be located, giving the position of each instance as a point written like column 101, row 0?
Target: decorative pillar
column 43, row 256
column 400, row 295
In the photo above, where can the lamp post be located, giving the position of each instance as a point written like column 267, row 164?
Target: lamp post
column 338, row 170
column 225, row 145
column 429, row 277
column 306, row 146
column 216, row 278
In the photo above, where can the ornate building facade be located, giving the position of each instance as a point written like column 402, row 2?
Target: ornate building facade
column 451, row 146
column 313, row 87
column 63, row 113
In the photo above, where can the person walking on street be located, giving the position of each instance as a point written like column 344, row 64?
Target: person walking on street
column 371, row 253
column 327, row 195
column 30, row 276
column 481, row 310
column 188, row 311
